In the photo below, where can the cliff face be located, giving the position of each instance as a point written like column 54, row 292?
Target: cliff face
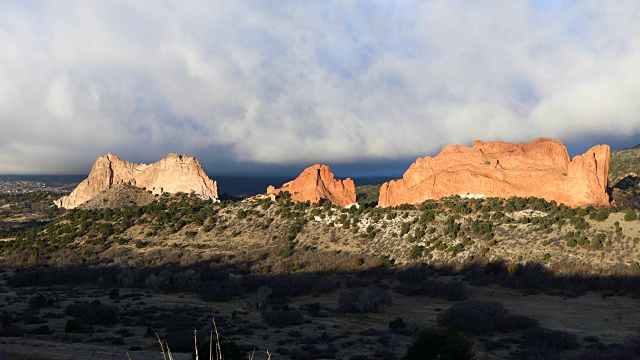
column 317, row 183
column 496, row 169
column 172, row 174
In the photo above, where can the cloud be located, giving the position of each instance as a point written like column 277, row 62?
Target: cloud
column 297, row 82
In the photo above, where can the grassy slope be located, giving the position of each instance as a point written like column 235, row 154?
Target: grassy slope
column 623, row 163
column 623, row 177
column 189, row 231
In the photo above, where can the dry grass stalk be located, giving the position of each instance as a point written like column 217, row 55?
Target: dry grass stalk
column 218, row 349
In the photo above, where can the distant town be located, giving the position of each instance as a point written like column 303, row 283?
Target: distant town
column 19, row 184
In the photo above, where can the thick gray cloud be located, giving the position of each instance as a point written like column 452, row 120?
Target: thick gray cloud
column 299, row 82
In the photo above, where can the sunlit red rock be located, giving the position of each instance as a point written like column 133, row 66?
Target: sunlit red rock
column 172, row 174
column 496, row 169
column 316, row 183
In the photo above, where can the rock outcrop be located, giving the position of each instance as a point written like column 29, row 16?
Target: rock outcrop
column 172, row 174
column 317, row 183
column 496, row 169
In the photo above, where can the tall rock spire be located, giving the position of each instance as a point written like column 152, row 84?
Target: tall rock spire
column 316, row 183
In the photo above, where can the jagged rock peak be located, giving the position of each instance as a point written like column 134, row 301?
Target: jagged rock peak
column 174, row 173
column 540, row 168
column 317, row 183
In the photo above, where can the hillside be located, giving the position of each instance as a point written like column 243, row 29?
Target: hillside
column 624, row 164
column 623, row 177
column 451, row 231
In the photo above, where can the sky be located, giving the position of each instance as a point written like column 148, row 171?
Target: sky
column 271, row 87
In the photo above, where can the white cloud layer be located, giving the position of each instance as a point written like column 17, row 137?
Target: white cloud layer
column 279, row 82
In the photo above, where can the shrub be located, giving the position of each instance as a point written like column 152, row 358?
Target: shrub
column 571, row 243
column 472, row 317
column 416, row 252
column 553, row 340
column 386, row 262
column 228, row 348
column 597, row 241
column 43, row 330
column 283, row 318
column 114, row 294
column 513, row 323
column 314, row 309
column 630, row 215
column 397, row 324
column 600, row 215
column 582, row 241
column 368, row 300
column 491, row 268
column 71, row 326
column 93, row 313
column 513, row 268
column 39, row 301
column 284, row 252
column 357, row 262
column 434, row 345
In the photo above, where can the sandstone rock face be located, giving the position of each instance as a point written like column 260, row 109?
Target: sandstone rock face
column 172, row 174
column 496, row 169
column 317, row 183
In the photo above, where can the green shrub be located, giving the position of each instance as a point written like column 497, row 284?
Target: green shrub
column 630, row 215
column 71, row 325
column 357, row 262
column 571, row 242
column 114, row 294
column 367, row 300
column 513, row 268
column 284, row 252
column 416, row 252
column 600, row 215
column 582, row 241
column 433, row 345
column 386, row 262
column 491, row 268
column 598, row 241
column 121, row 241
column 397, row 324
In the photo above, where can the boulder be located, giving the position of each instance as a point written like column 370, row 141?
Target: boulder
column 540, row 168
column 172, row 174
column 317, row 183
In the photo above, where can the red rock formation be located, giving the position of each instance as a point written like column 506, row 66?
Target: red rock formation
column 172, row 174
column 496, row 169
column 316, row 183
